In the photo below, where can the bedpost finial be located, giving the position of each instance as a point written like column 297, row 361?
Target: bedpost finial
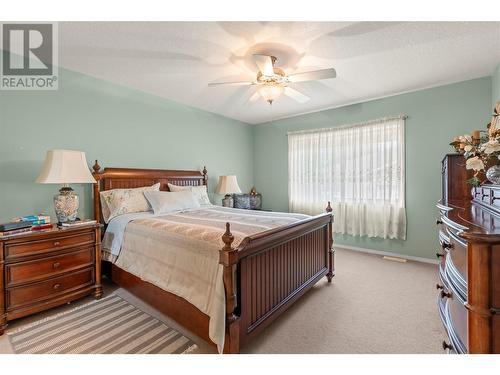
column 204, row 172
column 96, row 167
column 227, row 237
column 329, row 207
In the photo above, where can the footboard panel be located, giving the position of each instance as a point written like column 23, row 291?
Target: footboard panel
column 272, row 277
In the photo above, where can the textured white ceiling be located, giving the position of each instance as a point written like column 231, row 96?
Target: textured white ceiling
column 177, row 60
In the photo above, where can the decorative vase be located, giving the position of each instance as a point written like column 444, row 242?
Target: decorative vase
column 66, row 205
column 493, row 174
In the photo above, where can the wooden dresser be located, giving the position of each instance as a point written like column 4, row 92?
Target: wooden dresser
column 46, row 269
column 469, row 271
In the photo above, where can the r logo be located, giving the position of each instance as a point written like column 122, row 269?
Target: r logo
column 31, row 49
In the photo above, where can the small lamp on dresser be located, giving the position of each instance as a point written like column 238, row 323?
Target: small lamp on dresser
column 228, row 185
column 65, row 167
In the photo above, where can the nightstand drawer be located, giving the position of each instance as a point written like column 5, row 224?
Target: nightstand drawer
column 16, row 250
column 23, row 272
column 17, row 296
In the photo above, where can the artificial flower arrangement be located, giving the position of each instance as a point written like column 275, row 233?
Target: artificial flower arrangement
column 481, row 150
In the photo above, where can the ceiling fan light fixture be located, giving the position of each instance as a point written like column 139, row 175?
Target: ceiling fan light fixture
column 270, row 92
column 272, row 81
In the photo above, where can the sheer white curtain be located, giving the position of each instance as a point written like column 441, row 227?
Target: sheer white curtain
column 359, row 168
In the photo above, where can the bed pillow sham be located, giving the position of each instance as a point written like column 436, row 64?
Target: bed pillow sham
column 164, row 202
column 117, row 202
column 199, row 192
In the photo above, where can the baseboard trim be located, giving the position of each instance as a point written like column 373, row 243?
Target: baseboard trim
column 387, row 253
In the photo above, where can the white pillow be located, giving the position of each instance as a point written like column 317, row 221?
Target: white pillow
column 123, row 201
column 165, row 201
column 199, row 192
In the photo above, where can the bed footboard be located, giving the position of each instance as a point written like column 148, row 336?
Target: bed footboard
column 271, row 270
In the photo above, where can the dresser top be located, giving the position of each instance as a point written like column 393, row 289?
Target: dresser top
column 478, row 219
column 49, row 232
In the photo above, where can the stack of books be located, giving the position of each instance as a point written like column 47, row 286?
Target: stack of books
column 13, row 228
column 37, row 222
column 25, row 224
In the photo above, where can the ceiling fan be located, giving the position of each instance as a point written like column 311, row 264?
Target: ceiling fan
column 272, row 81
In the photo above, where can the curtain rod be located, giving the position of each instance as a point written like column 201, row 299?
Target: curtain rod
column 403, row 117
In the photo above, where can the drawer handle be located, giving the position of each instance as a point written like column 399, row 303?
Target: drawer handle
column 439, row 255
column 438, row 222
column 446, row 245
column 57, row 243
column 439, row 286
column 56, row 286
column 447, row 346
column 445, row 295
column 56, row 265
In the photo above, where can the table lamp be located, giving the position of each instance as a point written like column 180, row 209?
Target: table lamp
column 228, row 185
column 65, row 167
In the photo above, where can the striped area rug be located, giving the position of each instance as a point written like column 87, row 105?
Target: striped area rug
column 107, row 326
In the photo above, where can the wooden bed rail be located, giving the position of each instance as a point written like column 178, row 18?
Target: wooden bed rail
column 295, row 258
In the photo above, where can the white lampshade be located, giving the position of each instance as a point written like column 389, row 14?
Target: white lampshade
column 65, row 167
column 228, row 185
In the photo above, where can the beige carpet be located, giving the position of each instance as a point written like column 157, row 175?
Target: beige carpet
column 372, row 306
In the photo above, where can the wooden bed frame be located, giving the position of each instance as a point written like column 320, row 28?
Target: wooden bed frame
column 263, row 276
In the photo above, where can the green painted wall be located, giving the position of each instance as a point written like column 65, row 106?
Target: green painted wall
column 125, row 127
column 435, row 116
column 119, row 126
column 495, row 86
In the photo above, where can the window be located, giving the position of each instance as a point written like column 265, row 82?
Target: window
column 359, row 169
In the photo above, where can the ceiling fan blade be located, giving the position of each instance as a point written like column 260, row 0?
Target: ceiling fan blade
column 265, row 64
column 294, row 94
column 313, row 75
column 235, row 83
column 254, row 97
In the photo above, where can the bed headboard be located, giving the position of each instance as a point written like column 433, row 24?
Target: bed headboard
column 123, row 178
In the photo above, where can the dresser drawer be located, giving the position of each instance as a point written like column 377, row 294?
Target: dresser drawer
column 24, row 249
column 17, row 296
column 444, row 241
column 454, row 316
column 23, row 272
column 458, row 254
column 458, row 318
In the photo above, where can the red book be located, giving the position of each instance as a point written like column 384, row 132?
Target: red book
column 42, row 226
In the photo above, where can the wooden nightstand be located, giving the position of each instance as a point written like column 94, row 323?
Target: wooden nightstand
column 40, row 270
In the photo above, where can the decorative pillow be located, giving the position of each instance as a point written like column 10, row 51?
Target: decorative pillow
column 199, row 192
column 241, row 201
column 123, row 201
column 165, row 201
